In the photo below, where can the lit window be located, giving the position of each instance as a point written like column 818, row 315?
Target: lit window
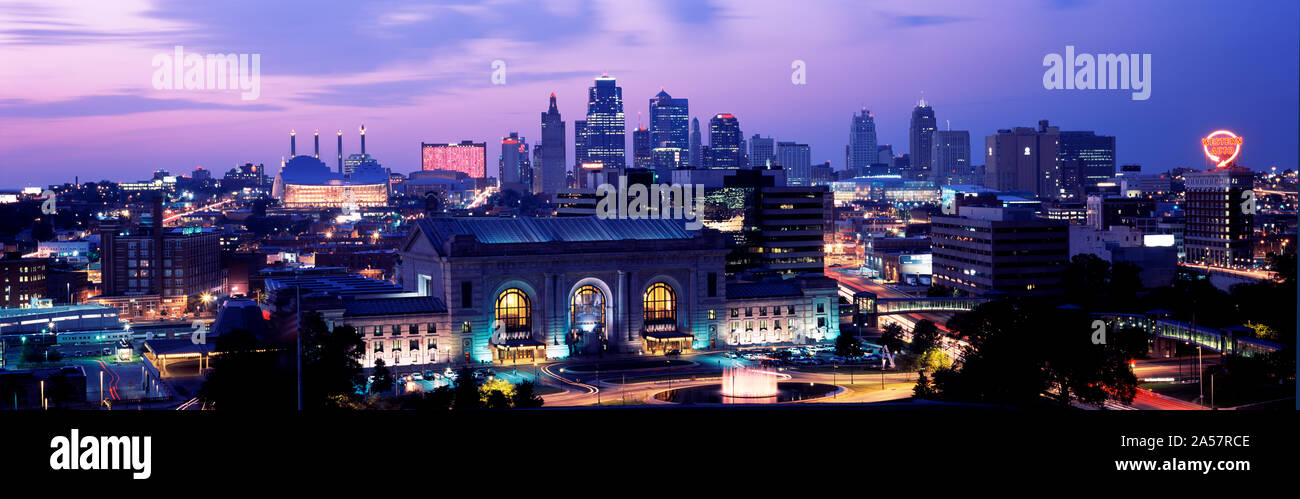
column 660, row 303
column 513, row 310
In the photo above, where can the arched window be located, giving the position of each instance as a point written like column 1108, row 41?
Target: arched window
column 513, row 310
column 660, row 303
column 587, row 307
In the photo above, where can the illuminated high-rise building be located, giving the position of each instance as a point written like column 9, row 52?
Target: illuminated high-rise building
column 950, row 157
column 762, row 150
column 797, row 161
column 605, row 127
column 550, row 172
column 579, row 143
column 467, row 157
column 696, row 156
column 669, row 132
column 641, row 150
column 725, row 141
column 515, row 170
column 862, row 141
column 1220, row 230
column 920, row 140
column 1097, row 152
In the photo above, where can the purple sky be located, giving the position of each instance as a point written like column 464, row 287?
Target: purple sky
column 77, row 97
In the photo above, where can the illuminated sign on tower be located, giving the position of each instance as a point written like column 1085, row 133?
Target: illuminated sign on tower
column 1222, row 147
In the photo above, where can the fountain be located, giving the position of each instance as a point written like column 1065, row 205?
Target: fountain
column 745, row 382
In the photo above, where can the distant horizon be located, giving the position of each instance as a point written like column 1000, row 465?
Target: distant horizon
column 79, row 102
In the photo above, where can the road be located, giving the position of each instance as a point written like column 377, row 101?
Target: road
column 583, row 389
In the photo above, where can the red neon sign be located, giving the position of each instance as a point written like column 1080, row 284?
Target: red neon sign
column 1222, row 146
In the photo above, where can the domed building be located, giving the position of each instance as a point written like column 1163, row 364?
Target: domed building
column 306, row 182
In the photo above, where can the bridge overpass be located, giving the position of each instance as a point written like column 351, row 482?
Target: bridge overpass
column 867, row 307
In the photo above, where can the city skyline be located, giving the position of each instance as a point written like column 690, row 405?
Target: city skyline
column 125, row 128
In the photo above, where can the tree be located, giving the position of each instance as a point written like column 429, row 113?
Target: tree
column 925, row 335
column 526, row 396
column 938, row 291
column 248, row 375
column 496, row 399
column 847, row 345
column 32, row 353
column 331, row 364
column 383, row 382
column 891, row 337
column 933, row 360
column 1021, row 348
column 924, row 389
column 506, row 390
column 467, row 390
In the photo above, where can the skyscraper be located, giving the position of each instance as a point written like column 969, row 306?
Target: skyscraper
column 1023, row 159
column 725, row 141
column 950, row 157
column 1096, row 151
column 862, row 141
column 696, row 157
column 641, row 150
column 514, row 163
column 579, row 144
column 669, row 132
column 920, row 139
column 550, row 172
column 797, row 160
column 606, row 125
column 761, row 151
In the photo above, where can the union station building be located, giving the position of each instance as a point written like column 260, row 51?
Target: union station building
column 525, row 289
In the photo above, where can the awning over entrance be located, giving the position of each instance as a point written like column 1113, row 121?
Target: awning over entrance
column 666, row 338
column 519, row 350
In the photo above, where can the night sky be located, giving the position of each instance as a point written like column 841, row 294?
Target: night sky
column 77, row 97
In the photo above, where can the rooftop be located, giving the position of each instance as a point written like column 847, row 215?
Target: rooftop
column 560, row 229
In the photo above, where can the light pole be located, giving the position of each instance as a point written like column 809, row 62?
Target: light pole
column 1200, row 382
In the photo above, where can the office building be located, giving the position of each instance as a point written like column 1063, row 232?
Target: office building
column 992, row 250
column 1096, row 152
column 725, row 142
column 796, row 159
column 550, row 173
column 920, row 138
column 762, row 152
column 605, row 131
column 1220, row 230
column 862, row 151
column 1024, row 159
column 669, row 133
column 950, row 157
column 515, row 167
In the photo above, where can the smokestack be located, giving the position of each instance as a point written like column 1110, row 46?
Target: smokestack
column 317, row 138
column 340, row 151
column 363, row 139
column 293, row 143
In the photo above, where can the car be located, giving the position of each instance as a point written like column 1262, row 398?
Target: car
column 417, row 376
column 430, row 375
column 673, row 353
